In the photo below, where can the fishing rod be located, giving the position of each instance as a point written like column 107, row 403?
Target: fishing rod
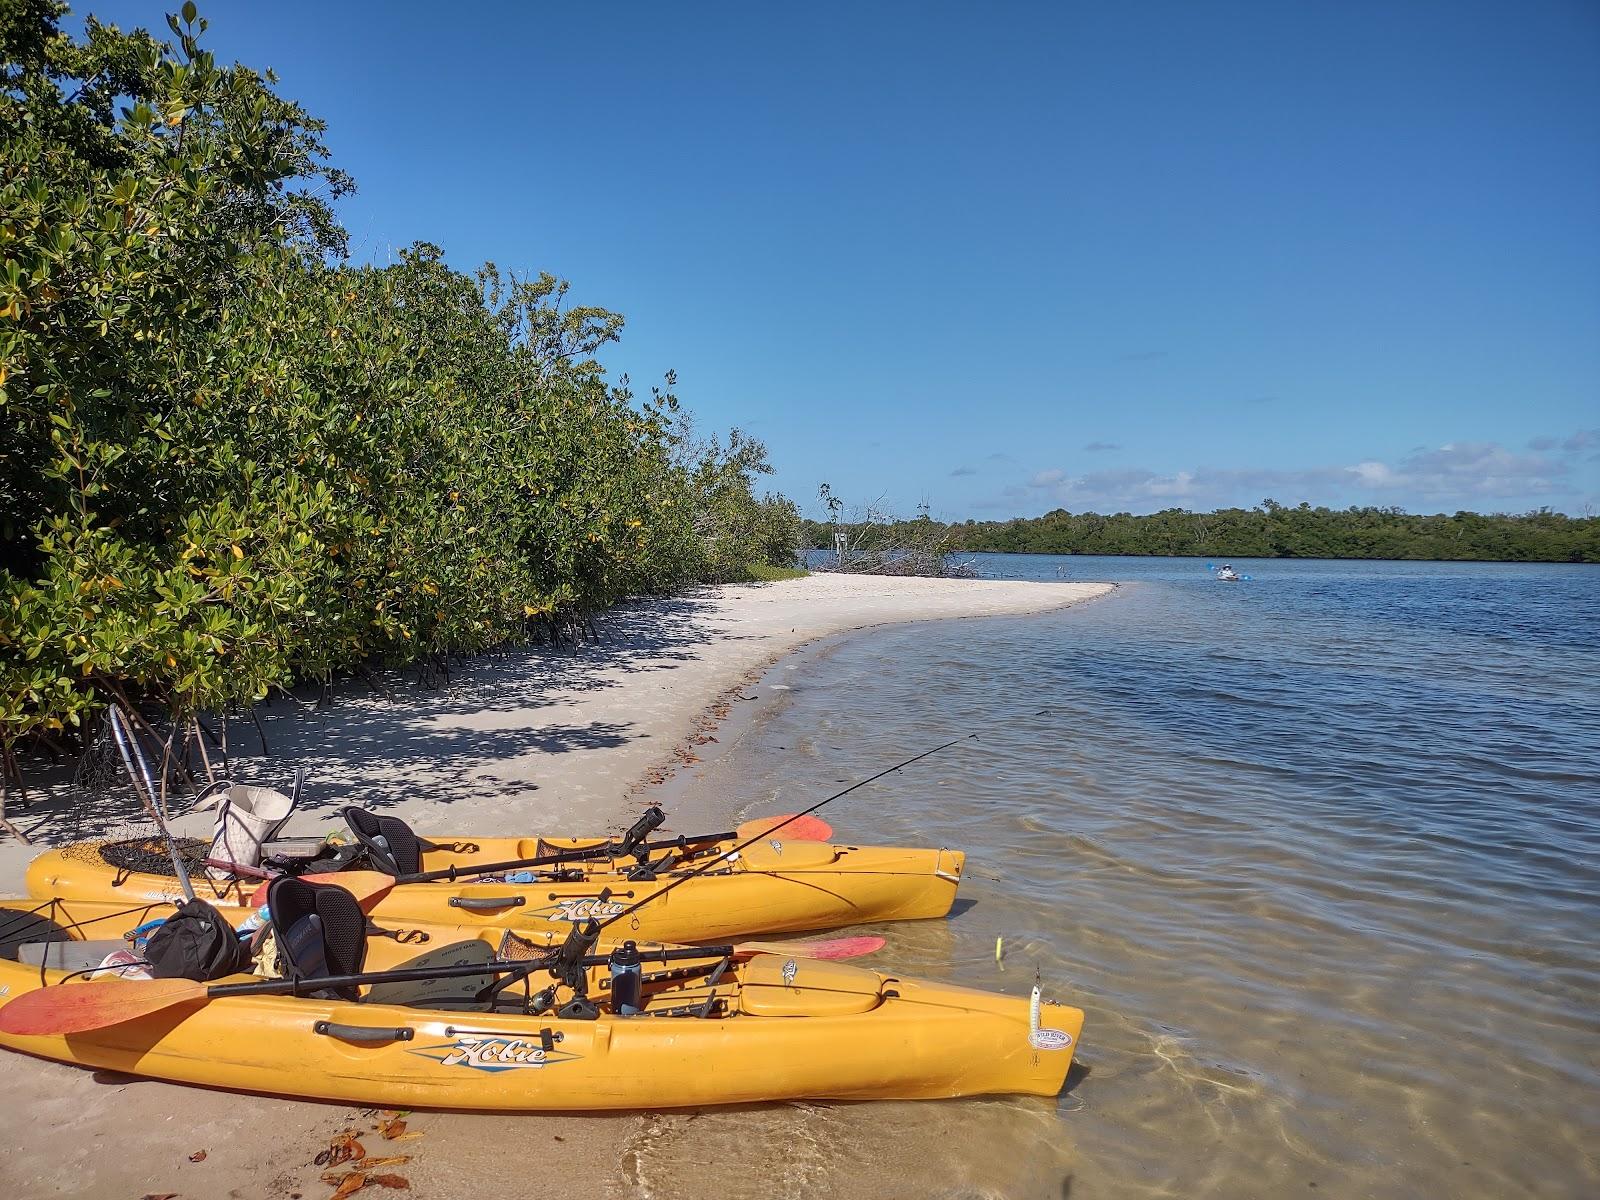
column 125, row 739
column 592, row 928
column 585, row 934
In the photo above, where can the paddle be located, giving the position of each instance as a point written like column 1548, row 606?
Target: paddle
column 372, row 885
column 80, row 1008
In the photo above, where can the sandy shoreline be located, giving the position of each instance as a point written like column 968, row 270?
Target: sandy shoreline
column 558, row 740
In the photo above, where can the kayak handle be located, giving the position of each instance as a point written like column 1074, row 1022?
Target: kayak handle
column 363, row 1033
column 487, row 902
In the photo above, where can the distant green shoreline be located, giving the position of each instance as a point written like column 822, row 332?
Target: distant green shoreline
column 1271, row 530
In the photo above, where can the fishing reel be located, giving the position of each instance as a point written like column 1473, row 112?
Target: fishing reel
column 633, row 842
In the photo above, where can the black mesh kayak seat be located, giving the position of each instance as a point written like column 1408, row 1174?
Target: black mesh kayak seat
column 456, row 995
column 388, row 841
column 321, row 931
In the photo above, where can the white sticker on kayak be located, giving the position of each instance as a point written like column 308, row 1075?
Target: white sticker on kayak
column 494, row 1054
column 485, row 1052
column 581, row 908
column 1049, row 1039
column 777, row 846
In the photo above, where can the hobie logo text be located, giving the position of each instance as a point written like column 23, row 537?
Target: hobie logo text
column 494, row 1054
column 581, row 908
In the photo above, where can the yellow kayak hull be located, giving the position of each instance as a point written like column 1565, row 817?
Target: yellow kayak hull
column 791, row 1029
column 771, row 887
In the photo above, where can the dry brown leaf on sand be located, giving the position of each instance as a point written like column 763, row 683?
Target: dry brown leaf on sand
column 393, row 1129
column 350, row 1185
column 198, row 1156
column 393, row 1160
column 159, row 1196
column 343, row 1148
column 399, row 1182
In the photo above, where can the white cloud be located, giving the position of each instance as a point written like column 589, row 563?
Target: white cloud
column 1581, row 440
column 1475, row 470
column 1181, row 484
column 1453, row 475
column 1373, row 474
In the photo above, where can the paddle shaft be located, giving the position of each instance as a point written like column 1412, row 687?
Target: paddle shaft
column 767, row 833
column 295, row 987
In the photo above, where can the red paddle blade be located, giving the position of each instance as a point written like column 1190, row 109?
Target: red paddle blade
column 809, row 829
column 799, row 829
column 845, row 947
column 80, row 1007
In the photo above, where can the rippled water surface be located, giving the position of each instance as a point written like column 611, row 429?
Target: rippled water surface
column 1318, row 854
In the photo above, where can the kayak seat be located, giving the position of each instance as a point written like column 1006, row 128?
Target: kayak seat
column 321, row 931
column 455, row 995
column 389, row 842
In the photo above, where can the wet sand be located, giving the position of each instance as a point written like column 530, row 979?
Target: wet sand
column 561, row 740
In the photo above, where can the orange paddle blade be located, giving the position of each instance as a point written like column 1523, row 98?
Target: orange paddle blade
column 845, row 947
column 800, row 829
column 80, row 1007
column 368, row 887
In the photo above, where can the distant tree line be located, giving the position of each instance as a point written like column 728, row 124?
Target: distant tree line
column 230, row 459
column 1271, row 530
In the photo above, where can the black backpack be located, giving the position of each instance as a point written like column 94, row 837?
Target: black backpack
column 196, row 943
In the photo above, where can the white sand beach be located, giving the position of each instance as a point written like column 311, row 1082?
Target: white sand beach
column 551, row 740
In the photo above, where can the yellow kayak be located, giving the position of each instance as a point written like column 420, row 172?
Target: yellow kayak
column 710, row 1028
column 775, row 885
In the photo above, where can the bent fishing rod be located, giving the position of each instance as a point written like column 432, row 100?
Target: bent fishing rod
column 592, row 928
column 570, row 954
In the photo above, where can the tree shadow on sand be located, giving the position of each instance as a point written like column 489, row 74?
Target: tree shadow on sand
column 387, row 740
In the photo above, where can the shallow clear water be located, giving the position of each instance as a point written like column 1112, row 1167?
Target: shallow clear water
column 1318, row 854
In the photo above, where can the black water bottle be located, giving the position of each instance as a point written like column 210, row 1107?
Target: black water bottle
column 626, row 979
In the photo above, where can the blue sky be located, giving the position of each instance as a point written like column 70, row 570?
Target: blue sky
column 1003, row 258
